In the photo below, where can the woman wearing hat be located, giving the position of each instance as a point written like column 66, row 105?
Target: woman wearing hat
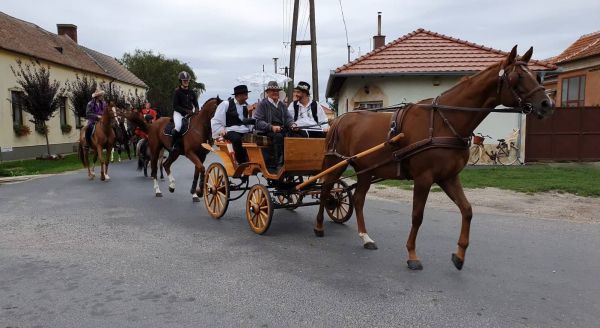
column 94, row 110
column 228, row 121
column 272, row 117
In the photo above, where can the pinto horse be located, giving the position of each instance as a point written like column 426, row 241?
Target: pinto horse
column 199, row 132
column 102, row 138
column 434, row 148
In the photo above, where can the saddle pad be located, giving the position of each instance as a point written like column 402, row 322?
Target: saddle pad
column 185, row 125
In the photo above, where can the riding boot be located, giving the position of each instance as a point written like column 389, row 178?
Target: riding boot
column 176, row 140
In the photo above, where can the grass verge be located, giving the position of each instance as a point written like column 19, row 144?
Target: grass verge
column 578, row 179
column 34, row 166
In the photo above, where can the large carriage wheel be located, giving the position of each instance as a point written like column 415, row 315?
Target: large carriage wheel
column 342, row 207
column 259, row 209
column 216, row 190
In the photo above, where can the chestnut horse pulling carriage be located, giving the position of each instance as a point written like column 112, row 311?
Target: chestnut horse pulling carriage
column 426, row 142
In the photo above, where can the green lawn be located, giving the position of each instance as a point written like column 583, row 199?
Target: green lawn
column 579, row 179
column 33, row 166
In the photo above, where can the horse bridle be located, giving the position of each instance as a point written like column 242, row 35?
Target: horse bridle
column 511, row 81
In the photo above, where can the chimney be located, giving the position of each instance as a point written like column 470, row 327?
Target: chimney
column 378, row 40
column 69, row 30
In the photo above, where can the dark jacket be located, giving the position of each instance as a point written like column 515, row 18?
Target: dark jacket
column 184, row 101
column 267, row 115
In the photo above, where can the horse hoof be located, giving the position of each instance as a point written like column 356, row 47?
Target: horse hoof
column 458, row 263
column 102, row 178
column 370, row 245
column 171, row 189
column 107, row 178
column 158, row 194
column 414, row 265
column 196, row 199
column 319, row 233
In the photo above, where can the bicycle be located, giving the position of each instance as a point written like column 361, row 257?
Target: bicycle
column 507, row 153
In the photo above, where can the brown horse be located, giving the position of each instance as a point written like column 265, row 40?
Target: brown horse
column 434, row 148
column 199, row 132
column 102, row 138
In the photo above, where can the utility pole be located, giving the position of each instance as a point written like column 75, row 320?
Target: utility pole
column 275, row 62
column 313, row 49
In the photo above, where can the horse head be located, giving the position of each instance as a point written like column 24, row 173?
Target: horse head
column 519, row 87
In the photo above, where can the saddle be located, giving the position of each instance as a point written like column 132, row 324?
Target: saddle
column 185, row 126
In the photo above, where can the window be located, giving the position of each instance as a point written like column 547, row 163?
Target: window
column 17, row 108
column 62, row 107
column 369, row 105
column 573, row 92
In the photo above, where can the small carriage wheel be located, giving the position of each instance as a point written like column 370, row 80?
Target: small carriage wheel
column 343, row 203
column 289, row 199
column 216, row 190
column 259, row 209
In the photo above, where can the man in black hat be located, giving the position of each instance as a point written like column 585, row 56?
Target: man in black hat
column 308, row 114
column 229, row 121
column 274, row 120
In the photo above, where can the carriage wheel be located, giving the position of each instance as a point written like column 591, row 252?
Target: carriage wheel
column 216, row 190
column 342, row 199
column 259, row 209
column 473, row 155
column 289, row 199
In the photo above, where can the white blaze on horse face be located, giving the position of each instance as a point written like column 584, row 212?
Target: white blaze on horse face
column 156, row 187
column 365, row 238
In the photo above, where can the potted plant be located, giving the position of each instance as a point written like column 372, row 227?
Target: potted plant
column 42, row 129
column 66, row 129
column 21, row 130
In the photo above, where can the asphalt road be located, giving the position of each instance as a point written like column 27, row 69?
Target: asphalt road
column 79, row 253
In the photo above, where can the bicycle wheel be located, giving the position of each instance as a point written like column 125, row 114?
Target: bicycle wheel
column 473, row 155
column 506, row 155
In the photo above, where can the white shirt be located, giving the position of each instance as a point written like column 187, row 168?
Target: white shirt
column 219, row 121
column 305, row 116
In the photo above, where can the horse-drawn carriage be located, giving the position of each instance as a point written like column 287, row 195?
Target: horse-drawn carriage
column 303, row 158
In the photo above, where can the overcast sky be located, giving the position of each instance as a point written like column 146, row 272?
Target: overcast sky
column 224, row 39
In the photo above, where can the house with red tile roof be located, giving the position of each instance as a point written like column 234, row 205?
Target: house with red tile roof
column 419, row 65
column 578, row 79
column 21, row 40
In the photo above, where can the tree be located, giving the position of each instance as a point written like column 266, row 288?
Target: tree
column 80, row 93
column 136, row 100
column 41, row 96
column 160, row 74
column 116, row 94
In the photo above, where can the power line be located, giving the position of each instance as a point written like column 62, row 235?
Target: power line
column 345, row 28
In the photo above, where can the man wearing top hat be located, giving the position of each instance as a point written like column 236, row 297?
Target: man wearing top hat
column 228, row 121
column 308, row 113
column 272, row 119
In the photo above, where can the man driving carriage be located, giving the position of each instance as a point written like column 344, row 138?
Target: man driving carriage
column 274, row 120
column 185, row 102
column 308, row 114
column 229, row 121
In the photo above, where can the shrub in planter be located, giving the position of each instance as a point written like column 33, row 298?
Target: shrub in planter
column 21, row 130
column 66, row 128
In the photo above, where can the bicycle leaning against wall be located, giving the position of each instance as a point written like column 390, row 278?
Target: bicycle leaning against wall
column 505, row 153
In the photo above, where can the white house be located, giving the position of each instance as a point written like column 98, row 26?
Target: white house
column 416, row 66
column 21, row 40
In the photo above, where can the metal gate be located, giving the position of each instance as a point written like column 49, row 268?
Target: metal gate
column 570, row 134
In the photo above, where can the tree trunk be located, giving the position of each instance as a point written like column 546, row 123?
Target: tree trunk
column 47, row 142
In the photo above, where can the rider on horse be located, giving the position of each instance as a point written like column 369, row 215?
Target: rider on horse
column 185, row 102
column 94, row 110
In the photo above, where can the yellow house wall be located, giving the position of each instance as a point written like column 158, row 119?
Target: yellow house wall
column 60, row 73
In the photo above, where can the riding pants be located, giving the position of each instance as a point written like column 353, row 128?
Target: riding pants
column 178, row 120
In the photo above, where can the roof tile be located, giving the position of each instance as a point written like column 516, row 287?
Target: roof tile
column 586, row 46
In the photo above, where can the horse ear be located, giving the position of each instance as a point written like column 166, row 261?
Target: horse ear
column 511, row 57
column 527, row 56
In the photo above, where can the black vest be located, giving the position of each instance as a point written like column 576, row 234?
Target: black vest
column 313, row 109
column 231, row 116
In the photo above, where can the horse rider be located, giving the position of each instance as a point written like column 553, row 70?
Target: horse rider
column 148, row 113
column 230, row 121
column 185, row 102
column 308, row 113
column 274, row 120
column 94, row 110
